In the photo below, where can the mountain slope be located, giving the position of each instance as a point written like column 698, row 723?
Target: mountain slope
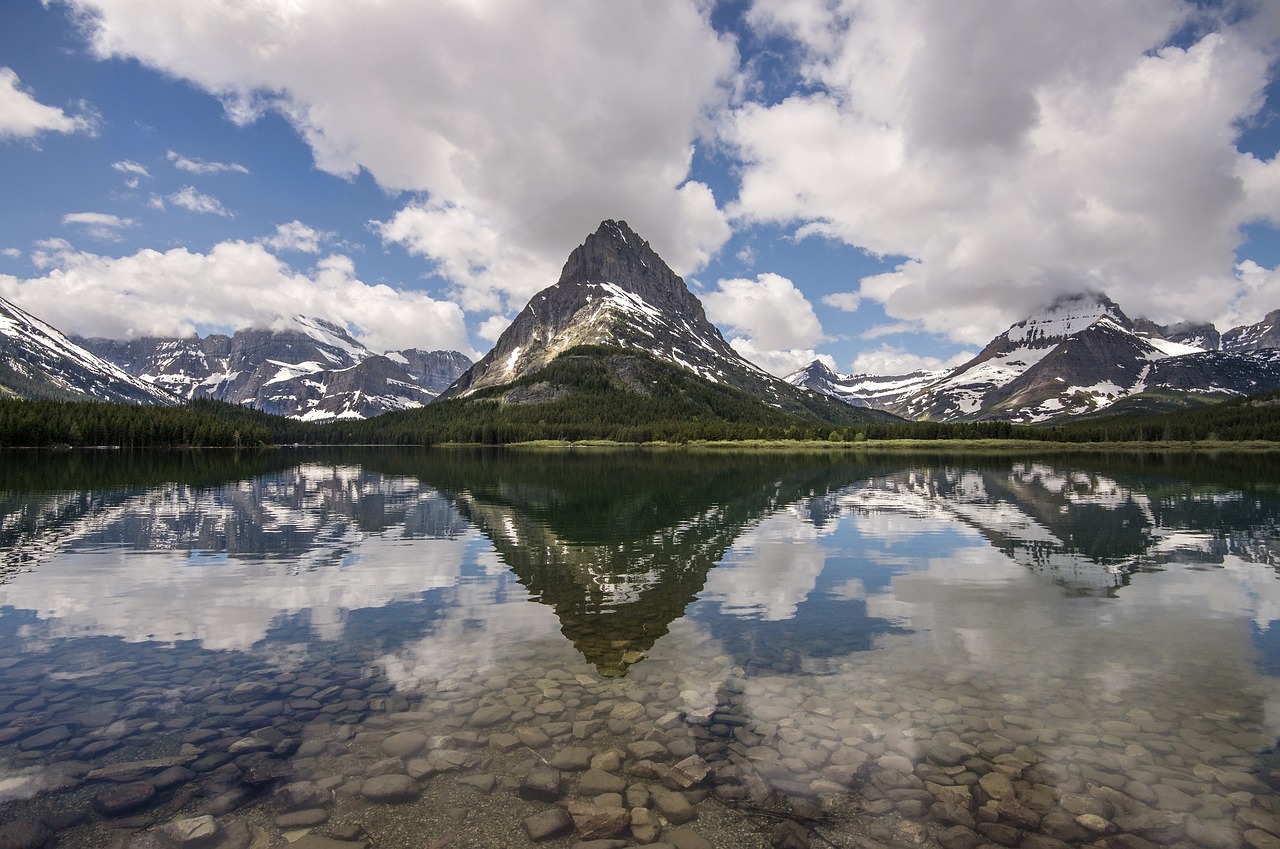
column 601, row 392
column 38, row 361
column 1078, row 356
column 616, row 291
column 312, row 370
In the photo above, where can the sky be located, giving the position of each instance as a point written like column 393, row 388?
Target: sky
column 883, row 184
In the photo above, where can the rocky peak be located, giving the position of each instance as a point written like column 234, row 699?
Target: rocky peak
column 615, row 254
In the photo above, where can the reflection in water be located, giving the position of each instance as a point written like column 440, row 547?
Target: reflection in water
column 916, row 645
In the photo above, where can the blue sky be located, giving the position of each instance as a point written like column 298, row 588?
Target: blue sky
column 885, row 184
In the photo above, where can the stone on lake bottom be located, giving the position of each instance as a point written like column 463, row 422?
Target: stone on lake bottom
column 390, row 788
column 24, row 834
column 551, row 823
column 113, row 801
column 315, row 841
column 672, row 805
column 300, row 795
column 541, row 784
column 306, row 818
column 597, row 821
column 687, row 838
column 190, row 832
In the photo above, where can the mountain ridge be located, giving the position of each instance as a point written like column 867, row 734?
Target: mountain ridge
column 1075, row 357
column 312, row 370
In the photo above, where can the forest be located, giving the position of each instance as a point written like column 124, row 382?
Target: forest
column 600, row 396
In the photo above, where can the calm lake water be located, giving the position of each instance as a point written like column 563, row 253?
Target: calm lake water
column 431, row 648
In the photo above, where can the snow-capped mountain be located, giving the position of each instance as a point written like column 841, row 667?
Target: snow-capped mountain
column 615, row 290
column 1080, row 355
column 38, row 361
column 313, row 370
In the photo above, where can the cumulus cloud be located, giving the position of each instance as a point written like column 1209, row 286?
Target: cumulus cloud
column 539, row 119
column 769, row 309
column 1015, row 153
column 99, row 225
column 24, row 117
column 893, row 359
column 188, row 197
column 296, row 236
column 844, row 301
column 236, row 284
column 200, row 166
column 770, row 321
column 492, row 327
column 11, row 253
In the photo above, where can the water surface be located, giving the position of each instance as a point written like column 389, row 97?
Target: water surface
column 912, row 650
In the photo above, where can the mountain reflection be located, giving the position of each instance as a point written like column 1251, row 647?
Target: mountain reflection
column 619, row 545
column 230, row 549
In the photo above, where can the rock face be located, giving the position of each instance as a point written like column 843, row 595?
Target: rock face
column 1078, row 356
column 312, row 370
column 615, row 290
column 38, row 361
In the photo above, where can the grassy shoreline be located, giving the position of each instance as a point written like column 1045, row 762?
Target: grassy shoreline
column 887, row 445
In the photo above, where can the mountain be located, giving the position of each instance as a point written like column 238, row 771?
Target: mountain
column 615, row 291
column 1254, row 337
column 312, row 370
column 1080, row 355
column 38, row 361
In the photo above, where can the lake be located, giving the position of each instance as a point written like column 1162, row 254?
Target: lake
column 398, row 648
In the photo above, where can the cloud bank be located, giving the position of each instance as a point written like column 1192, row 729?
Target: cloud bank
column 537, row 119
column 235, row 284
column 1011, row 153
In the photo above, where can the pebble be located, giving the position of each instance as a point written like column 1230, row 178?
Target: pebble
column 547, row 825
column 121, row 798
column 390, row 788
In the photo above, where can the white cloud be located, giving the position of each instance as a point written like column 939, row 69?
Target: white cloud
column 771, row 321
column 133, row 171
column 200, row 166
column 236, row 284
column 1258, row 294
column 1014, row 153
column 488, row 271
column 538, row 119
column 892, row 329
column 844, row 301
column 492, row 327
column 296, row 236
column 12, row 253
column 770, row 310
column 779, row 362
column 892, row 359
column 23, row 117
column 188, row 197
column 99, row 225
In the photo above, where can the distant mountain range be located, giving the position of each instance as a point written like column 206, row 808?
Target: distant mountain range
column 313, row 370
column 1079, row 356
column 38, row 361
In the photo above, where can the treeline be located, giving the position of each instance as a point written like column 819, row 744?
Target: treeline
column 198, row 423
column 1255, row 417
column 581, row 398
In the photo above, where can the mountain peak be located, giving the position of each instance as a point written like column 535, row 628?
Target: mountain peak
column 1066, row 316
column 615, row 254
column 616, row 291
